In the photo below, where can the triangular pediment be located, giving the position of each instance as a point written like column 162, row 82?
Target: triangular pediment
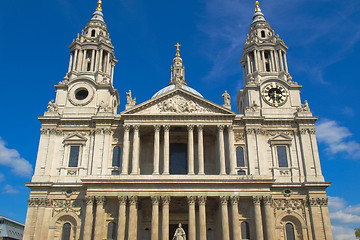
column 75, row 137
column 178, row 101
column 281, row 138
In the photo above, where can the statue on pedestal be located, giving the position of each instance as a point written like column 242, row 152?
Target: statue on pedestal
column 179, row 233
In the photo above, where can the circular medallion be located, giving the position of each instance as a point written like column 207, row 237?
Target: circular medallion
column 80, row 94
column 275, row 94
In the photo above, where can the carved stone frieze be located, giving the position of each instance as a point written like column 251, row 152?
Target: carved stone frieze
column 66, row 205
column 283, row 204
column 239, row 136
column 318, row 201
column 179, row 104
column 39, row 202
column 101, row 131
column 52, row 131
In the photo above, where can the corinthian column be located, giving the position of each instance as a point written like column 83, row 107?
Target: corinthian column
column 155, row 218
column 221, row 149
column 89, row 217
column 165, row 217
column 125, row 156
column 190, row 149
column 269, row 218
column 202, row 217
column 136, row 145
column 133, row 218
column 156, row 150
column 232, row 150
column 121, row 218
column 166, row 149
column 235, row 217
column 224, row 217
column 201, row 149
column 192, row 221
column 99, row 219
column 257, row 216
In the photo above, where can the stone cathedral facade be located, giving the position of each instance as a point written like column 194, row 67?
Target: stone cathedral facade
column 177, row 158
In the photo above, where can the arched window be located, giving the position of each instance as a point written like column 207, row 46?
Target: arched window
column 116, row 160
column 245, row 230
column 111, row 233
column 240, row 158
column 263, row 34
column 66, row 230
column 178, row 158
column 290, row 234
column 93, row 33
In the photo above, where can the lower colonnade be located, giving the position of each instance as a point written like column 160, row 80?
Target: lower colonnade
column 127, row 217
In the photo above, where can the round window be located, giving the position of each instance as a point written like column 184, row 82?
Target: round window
column 81, row 94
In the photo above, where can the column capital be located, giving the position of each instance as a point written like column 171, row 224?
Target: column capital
column 136, row 127
column 166, row 127
column 126, row 127
column 202, row 200
column 122, row 200
column 100, row 200
column 230, row 128
column 90, row 200
column 200, row 127
column 157, row 127
column 133, row 200
column 234, row 200
column 224, row 200
column 267, row 200
column 191, row 200
column 256, row 200
column 190, row 127
column 165, row 200
column 155, row 200
column 220, row 127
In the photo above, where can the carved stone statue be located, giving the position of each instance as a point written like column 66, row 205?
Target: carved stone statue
column 130, row 100
column 179, row 233
column 52, row 107
column 226, row 98
column 103, row 107
column 304, row 107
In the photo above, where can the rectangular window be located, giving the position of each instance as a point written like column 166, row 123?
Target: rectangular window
column 240, row 157
column 74, row 156
column 282, row 156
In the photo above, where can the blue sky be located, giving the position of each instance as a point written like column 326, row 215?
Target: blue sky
column 323, row 37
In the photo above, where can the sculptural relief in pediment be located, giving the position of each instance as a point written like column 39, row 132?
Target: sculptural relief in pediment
column 179, row 104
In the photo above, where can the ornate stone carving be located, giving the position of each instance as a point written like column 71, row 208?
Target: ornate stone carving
column 220, row 127
column 129, row 100
column 66, row 205
column 166, row 127
column 253, row 108
column 155, row 200
column 157, row 127
column 239, row 136
column 100, row 200
column 226, row 97
column 122, row 200
column 133, row 200
column 72, row 172
column 224, row 200
column 318, row 201
column 90, row 200
column 52, row 106
column 191, row 200
column 234, row 200
column 202, row 199
column 55, row 131
column 103, row 107
column 284, row 172
column 304, row 107
column 267, row 199
column 165, row 200
column 283, row 204
column 190, row 127
column 179, row 104
column 256, row 199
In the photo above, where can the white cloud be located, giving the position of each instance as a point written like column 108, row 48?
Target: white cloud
column 344, row 218
column 11, row 158
column 335, row 137
column 10, row 189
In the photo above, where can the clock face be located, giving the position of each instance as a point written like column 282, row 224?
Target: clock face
column 275, row 94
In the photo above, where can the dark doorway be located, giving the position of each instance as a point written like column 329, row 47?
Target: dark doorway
column 173, row 227
column 178, row 158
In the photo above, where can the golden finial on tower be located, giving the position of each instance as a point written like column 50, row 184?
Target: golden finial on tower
column 99, row 6
column 177, row 45
column 257, row 6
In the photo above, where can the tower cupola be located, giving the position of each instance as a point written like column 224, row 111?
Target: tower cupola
column 264, row 53
column 177, row 69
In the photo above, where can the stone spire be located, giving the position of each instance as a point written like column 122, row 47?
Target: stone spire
column 92, row 53
column 177, row 69
column 264, row 53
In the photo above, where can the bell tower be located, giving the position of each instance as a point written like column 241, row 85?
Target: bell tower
column 87, row 88
column 268, row 87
